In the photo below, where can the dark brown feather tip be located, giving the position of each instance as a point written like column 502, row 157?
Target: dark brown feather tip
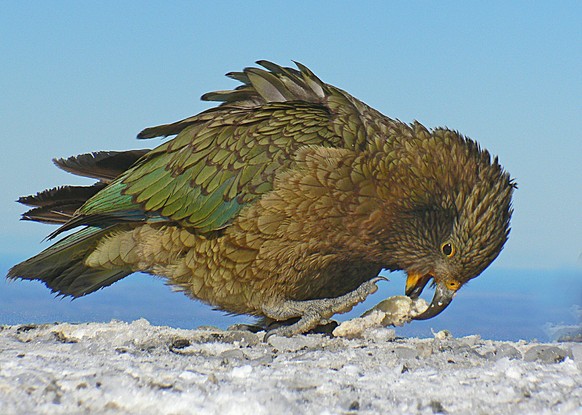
column 102, row 165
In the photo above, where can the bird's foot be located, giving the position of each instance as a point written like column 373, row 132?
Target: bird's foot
column 312, row 313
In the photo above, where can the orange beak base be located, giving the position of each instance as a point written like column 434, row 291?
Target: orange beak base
column 443, row 295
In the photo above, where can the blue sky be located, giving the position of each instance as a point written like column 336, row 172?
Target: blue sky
column 83, row 76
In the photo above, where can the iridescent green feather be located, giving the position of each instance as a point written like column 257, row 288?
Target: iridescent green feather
column 229, row 156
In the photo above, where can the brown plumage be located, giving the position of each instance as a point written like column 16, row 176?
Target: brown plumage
column 285, row 202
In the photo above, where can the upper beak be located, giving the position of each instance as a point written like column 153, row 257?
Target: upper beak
column 443, row 295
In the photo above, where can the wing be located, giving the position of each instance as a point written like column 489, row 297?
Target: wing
column 228, row 156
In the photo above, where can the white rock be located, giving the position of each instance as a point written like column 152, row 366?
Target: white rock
column 394, row 311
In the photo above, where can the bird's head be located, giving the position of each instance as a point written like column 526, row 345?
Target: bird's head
column 454, row 215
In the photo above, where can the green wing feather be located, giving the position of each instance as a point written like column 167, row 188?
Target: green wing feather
column 203, row 177
column 228, row 156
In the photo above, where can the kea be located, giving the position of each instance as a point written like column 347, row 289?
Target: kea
column 283, row 202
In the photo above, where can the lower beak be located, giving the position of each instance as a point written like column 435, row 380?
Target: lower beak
column 442, row 295
column 442, row 298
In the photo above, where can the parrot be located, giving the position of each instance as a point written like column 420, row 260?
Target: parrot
column 285, row 201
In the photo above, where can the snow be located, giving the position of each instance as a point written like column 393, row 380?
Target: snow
column 138, row 368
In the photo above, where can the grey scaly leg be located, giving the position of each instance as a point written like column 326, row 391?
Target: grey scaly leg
column 315, row 312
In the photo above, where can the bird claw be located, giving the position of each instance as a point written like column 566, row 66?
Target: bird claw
column 313, row 312
column 306, row 323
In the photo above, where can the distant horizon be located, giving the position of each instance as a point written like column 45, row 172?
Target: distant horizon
column 500, row 305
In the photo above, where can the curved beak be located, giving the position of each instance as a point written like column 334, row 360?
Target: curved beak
column 442, row 295
column 442, row 298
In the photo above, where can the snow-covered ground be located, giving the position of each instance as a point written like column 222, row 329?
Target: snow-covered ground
column 138, row 368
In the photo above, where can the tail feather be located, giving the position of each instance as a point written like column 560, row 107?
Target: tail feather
column 57, row 205
column 61, row 267
column 102, row 165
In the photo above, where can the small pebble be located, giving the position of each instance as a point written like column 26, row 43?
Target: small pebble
column 208, row 328
column 424, row 349
column 443, row 335
column 405, row 353
column 546, row 354
column 243, row 338
column 179, row 343
column 379, row 335
column 233, row 354
column 262, row 360
column 437, row 407
column 507, row 350
column 295, row 343
column 471, row 340
column 501, row 351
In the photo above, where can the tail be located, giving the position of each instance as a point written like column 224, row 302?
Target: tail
column 58, row 205
column 61, row 267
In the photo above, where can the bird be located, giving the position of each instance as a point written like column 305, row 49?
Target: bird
column 285, row 201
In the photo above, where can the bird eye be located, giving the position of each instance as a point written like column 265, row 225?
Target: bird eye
column 448, row 249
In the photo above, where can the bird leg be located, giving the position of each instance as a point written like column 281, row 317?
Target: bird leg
column 314, row 312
